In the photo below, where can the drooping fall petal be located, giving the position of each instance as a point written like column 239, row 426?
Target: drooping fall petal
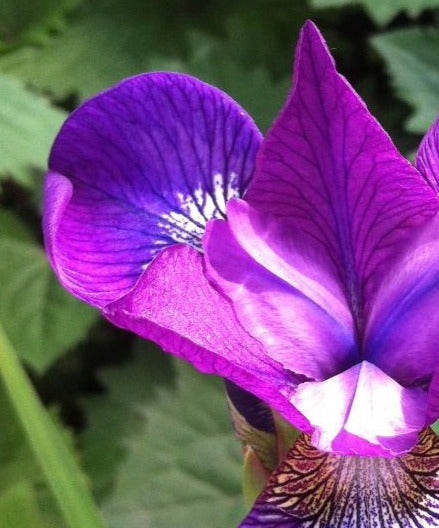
column 141, row 167
column 329, row 171
column 313, row 489
column 174, row 305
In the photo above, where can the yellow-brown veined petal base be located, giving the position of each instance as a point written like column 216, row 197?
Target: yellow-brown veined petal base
column 313, row 489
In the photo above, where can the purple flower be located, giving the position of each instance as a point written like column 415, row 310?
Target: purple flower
column 317, row 294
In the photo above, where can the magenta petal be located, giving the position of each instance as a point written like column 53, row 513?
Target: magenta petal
column 149, row 162
column 294, row 331
column 174, row 305
column 268, row 241
column 427, row 159
column 362, row 412
column 402, row 336
column 329, row 170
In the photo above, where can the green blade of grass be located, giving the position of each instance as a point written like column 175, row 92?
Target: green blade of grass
column 59, row 466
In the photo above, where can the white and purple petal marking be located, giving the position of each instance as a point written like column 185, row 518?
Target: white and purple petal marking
column 137, row 169
column 187, row 224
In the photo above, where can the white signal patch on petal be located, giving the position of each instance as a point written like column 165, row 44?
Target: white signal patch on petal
column 187, row 225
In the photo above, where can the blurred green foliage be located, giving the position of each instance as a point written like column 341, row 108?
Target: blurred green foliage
column 157, row 454
column 384, row 11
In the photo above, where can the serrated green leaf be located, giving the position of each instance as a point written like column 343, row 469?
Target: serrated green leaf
column 382, row 11
column 412, row 60
column 25, row 21
column 41, row 319
column 119, row 414
column 176, row 462
column 11, row 227
column 28, row 125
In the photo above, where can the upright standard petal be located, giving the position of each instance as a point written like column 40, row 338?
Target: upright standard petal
column 295, row 331
column 402, row 335
column 329, row 171
column 312, row 489
column 141, row 167
column 174, row 305
column 427, row 159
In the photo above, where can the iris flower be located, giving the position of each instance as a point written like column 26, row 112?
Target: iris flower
column 302, row 267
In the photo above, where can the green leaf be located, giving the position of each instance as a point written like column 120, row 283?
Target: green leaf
column 176, row 462
column 24, row 498
column 382, row 11
column 28, row 125
column 413, row 63
column 119, row 413
column 16, row 460
column 254, row 477
column 47, row 442
column 255, row 41
column 25, row 21
column 41, row 319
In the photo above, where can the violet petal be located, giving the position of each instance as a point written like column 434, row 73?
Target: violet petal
column 149, row 162
column 330, row 171
column 294, row 331
column 402, row 335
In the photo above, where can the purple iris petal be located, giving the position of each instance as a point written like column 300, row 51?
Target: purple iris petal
column 427, row 159
column 433, row 399
column 294, row 331
column 203, row 331
column 138, row 168
column 329, row 170
column 266, row 240
column 402, row 337
column 331, row 209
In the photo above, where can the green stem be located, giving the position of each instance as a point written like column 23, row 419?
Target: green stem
column 59, row 466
